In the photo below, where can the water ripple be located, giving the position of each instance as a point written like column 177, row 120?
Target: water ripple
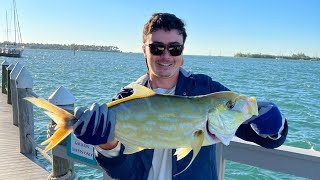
column 95, row 77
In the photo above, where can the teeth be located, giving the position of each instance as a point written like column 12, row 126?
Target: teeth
column 162, row 64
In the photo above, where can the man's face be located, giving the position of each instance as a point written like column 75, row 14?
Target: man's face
column 164, row 66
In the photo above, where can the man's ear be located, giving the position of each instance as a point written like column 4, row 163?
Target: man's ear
column 144, row 51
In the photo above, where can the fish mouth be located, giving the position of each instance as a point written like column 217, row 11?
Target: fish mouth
column 213, row 136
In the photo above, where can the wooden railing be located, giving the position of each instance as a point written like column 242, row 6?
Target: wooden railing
column 285, row 159
column 17, row 83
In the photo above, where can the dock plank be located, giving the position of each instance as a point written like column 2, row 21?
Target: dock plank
column 14, row 165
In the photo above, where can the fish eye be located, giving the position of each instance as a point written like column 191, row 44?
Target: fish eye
column 230, row 104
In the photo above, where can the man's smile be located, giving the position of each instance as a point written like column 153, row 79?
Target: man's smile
column 164, row 64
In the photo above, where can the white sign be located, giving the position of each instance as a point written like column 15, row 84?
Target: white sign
column 79, row 150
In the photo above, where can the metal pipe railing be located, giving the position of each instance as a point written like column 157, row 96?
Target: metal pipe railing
column 37, row 148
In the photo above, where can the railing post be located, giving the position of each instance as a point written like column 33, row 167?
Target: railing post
column 9, row 69
column 220, row 161
column 62, row 168
column 14, row 97
column 4, row 66
column 24, row 85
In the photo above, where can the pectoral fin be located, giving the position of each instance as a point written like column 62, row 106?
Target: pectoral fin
column 182, row 152
column 196, row 146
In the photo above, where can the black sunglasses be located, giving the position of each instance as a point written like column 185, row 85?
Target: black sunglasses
column 157, row 49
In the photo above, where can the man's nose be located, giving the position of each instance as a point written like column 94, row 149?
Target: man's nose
column 166, row 53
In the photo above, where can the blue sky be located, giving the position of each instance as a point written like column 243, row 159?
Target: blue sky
column 280, row 27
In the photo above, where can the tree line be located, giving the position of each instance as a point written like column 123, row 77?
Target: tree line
column 293, row 56
column 67, row 47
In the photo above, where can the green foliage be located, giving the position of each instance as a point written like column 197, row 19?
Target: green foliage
column 68, row 47
column 293, row 56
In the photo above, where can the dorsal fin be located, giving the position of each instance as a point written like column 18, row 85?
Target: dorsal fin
column 139, row 91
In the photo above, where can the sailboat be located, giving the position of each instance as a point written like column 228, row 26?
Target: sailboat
column 13, row 48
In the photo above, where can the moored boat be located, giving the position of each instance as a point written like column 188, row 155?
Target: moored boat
column 13, row 49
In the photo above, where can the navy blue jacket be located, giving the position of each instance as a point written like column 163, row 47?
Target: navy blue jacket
column 137, row 165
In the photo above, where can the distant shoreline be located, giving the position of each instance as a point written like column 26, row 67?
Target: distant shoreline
column 73, row 47
column 299, row 56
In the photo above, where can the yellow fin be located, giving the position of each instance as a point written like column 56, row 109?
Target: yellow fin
column 44, row 104
column 59, row 116
column 196, row 146
column 182, row 152
column 131, row 149
column 56, row 138
column 57, row 127
column 57, row 119
column 139, row 91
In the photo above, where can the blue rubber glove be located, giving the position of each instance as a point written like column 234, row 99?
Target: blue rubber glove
column 93, row 126
column 269, row 121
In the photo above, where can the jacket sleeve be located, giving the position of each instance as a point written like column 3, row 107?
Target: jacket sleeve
column 245, row 132
column 122, row 166
column 125, row 92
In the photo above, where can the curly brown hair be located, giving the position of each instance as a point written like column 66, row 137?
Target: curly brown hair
column 165, row 21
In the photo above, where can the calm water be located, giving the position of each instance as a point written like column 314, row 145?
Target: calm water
column 96, row 76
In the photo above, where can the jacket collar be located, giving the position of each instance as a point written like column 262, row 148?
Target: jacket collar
column 181, row 88
column 184, row 85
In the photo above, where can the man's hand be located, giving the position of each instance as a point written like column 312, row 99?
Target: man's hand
column 94, row 126
column 269, row 121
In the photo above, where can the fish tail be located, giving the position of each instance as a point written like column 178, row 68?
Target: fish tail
column 60, row 116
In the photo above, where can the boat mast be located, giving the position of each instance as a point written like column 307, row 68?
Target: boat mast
column 16, row 24
column 7, row 27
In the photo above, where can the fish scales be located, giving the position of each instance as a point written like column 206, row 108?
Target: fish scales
column 182, row 116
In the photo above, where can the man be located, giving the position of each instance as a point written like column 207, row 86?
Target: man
column 164, row 37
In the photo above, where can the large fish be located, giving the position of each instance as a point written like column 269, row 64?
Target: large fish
column 146, row 120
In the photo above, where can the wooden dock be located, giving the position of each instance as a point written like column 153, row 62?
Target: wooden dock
column 15, row 165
